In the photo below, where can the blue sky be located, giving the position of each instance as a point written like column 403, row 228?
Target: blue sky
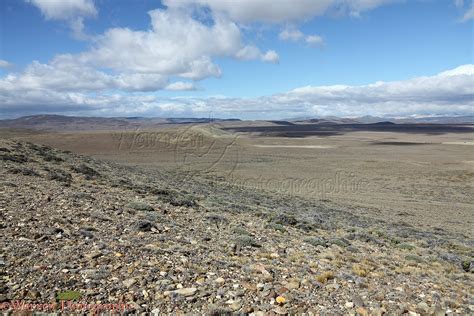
column 247, row 59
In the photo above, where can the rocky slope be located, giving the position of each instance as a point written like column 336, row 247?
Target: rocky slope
column 77, row 228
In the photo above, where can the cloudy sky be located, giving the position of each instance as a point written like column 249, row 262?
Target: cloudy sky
column 249, row 59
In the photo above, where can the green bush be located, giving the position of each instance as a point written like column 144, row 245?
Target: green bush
column 68, row 296
column 60, row 175
column 285, row 219
column 316, row 241
column 140, row 206
column 278, row 227
column 246, row 241
column 414, row 258
column 406, row 246
column 240, row 231
column 86, row 170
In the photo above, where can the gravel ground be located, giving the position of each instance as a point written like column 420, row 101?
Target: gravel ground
column 78, row 229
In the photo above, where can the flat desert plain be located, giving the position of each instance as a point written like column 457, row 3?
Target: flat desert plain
column 241, row 218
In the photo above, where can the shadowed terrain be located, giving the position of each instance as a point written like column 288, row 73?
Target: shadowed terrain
column 306, row 130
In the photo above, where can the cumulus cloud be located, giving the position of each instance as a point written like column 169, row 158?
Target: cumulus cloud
column 176, row 45
column 314, row 40
column 65, row 9
column 290, row 33
column 250, row 52
column 356, row 7
column 179, row 46
column 260, row 10
column 181, row 86
column 4, row 64
column 469, row 15
column 270, row 11
column 448, row 93
column 64, row 75
column 72, row 11
column 271, row 56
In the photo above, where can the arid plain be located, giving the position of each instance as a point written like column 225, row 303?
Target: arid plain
column 230, row 217
column 425, row 179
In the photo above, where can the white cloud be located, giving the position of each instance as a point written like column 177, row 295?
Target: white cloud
column 261, row 10
column 64, row 75
column 179, row 46
column 356, row 7
column 248, row 52
column 315, row 40
column 271, row 56
column 291, row 34
column 469, row 15
column 459, row 3
column 447, row 93
column 65, row 9
column 73, row 11
column 181, row 86
column 176, row 45
column 271, row 11
column 4, row 64
column 467, row 70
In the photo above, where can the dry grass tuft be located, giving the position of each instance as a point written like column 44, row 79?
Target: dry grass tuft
column 324, row 277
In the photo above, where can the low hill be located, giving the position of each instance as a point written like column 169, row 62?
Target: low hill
column 79, row 123
column 170, row 243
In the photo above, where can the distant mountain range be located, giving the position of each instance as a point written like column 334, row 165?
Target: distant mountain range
column 374, row 119
column 78, row 123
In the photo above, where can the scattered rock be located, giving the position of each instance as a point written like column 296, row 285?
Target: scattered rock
column 280, row 310
column 144, row 226
column 422, row 308
column 357, row 300
column 94, row 255
column 235, row 305
column 72, row 234
column 362, row 311
column 129, row 282
column 189, row 291
column 219, row 281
